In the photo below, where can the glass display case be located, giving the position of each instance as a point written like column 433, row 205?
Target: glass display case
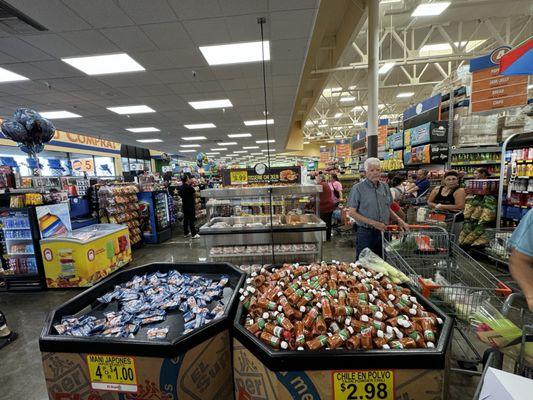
column 242, row 229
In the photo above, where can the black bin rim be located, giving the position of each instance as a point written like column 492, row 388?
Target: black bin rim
column 53, row 342
column 342, row 359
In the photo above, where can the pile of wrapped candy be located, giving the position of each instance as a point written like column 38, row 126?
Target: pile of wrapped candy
column 146, row 299
column 337, row 305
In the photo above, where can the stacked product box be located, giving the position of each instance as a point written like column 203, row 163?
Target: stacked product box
column 475, row 130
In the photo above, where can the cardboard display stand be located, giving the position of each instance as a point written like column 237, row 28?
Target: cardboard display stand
column 192, row 366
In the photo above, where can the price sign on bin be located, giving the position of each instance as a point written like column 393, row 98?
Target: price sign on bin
column 363, row 385
column 114, row 373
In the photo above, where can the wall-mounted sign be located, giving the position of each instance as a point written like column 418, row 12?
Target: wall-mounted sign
column 83, row 165
column 342, row 148
column 492, row 91
column 244, row 176
column 426, row 111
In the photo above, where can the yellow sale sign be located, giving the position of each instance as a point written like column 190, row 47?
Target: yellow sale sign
column 70, row 263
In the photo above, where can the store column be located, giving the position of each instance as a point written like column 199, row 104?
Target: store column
column 373, row 66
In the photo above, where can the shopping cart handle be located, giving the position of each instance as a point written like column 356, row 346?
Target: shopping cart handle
column 397, row 227
column 510, row 300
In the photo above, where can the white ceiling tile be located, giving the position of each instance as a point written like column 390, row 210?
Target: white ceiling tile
column 148, row 12
column 233, row 84
column 129, row 38
column 208, row 31
column 280, row 5
column 183, row 88
column 90, row 42
column 56, row 69
column 168, row 36
column 53, row 14
column 283, row 24
column 227, row 72
column 21, row 50
column 285, row 80
column 191, row 9
column 185, row 58
column 52, row 44
column 208, row 86
column 244, row 28
column 130, row 79
column 290, row 49
column 100, row 13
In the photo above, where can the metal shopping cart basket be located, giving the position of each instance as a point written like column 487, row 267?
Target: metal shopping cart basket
column 498, row 248
column 514, row 308
column 450, row 221
column 446, row 275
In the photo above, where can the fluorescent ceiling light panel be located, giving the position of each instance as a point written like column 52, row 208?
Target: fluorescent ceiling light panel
column 307, row 142
column 143, row 129
column 259, row 122
column 186, row 151
column 250, row 147
column 206, row 104
column 323, row 125
column 200, row 126
column 346, row 99
column 149, row 140
column 265, row 141
column 308, row 123
column 194, row 138
column 131, row 109
column 331, row 141
column 236, row 53
column 256, row 154
column 212, row 153
column 386, row 68
column 338, row 115
column 239, row 135
column 226, row 143
column 189, row 145
column 530, row 86
column 405, row 94
column 58, row 114
column 240, row 151
column 322, row 146
column 105, row 64
column 266, row 150
column 429, row 9
column 8, row 76
column 219, row 149
column 389, row 1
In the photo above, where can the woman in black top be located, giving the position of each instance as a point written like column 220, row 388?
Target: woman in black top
column 448, row 197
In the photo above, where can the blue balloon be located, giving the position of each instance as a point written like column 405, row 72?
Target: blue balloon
column 40, row 130
column 31, row 148
column 22, row 115
column 14, row 130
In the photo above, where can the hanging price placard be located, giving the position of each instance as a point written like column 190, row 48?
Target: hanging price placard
column 363, row 385
column 239, row 177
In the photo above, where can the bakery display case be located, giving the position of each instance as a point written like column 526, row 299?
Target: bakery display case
column 241, row 229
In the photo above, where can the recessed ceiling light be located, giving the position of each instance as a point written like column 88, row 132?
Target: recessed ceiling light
column 259, row 122
column 219, row 149
column 145, row 129
column 106, row 64
column 307, row 142
column 58, row 114
column 250, row 147
column 186, row 151
column 405, row 94
column 200, row 126
column 131, row 109
column 206, row 104
column 194, row 138
column 8, row 76
column 226, row 143
column 265, row 141
column 428, row 9
column 235, row 53
column 189, row 145
column 323, row 125
column 149, row 140
column 338, row 115
column 239, row 135
column 346, row 99
column 240, row 151
column 331, row 141
column 386, row 67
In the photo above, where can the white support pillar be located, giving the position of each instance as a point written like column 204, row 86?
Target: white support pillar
column 373, row 80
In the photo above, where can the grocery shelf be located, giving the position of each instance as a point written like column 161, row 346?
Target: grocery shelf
column 475, row 163
column 469, row 150
column 16, row 229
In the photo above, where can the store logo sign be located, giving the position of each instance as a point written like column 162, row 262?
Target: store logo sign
column 498, row 53
column 419, row 108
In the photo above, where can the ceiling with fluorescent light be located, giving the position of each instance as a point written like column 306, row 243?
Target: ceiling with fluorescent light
column 434, row 47
column 164, row 37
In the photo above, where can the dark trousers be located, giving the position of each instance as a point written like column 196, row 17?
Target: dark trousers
column 368, row 237
column 188, row 223
column 326, row 217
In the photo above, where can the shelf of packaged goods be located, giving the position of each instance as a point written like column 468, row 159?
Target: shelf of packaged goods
column 473, row 150
column 522, row 191
column 16, row 229
column 471, row 177
column 16, row 239
column 524, row 161
column 460, row 164
column 11, row 255
column 15, row 276
column 524, row 177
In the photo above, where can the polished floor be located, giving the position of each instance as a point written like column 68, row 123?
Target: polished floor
column 21, row 376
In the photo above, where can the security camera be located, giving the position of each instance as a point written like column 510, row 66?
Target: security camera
column 193, row 73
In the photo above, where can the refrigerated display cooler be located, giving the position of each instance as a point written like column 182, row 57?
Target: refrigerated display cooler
column 239, row 228
column 21, row 263
column 85, row 256
column 155, row 211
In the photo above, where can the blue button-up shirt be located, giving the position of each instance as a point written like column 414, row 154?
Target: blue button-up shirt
column 371, row 201
column 522, row 238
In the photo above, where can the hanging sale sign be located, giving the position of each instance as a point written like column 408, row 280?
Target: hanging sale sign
column 324, row 155
column 492, row 91
column 342, row 148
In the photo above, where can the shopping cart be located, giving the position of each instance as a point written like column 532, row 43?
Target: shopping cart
column 447, row 275
column 498, row 248
column 452, row 222
column 494, row 358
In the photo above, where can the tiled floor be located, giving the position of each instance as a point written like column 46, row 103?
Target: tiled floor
column 21, row 376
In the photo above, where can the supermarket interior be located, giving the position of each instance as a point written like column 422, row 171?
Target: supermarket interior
column 266, row 199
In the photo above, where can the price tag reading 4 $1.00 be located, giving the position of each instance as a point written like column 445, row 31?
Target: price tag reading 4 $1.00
column 376, row 384
column 113, row 373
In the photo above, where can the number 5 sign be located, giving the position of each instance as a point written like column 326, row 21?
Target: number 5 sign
column 83, row 165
